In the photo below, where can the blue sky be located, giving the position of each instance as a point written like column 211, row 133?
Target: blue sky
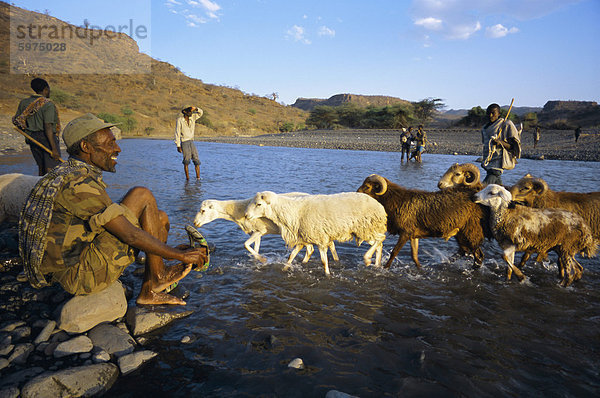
column 467, row 52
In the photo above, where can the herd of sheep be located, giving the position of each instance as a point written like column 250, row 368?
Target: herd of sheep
column 528, row 217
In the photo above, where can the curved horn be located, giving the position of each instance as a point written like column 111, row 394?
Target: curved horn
column 472, row 173
column 540, row 186
column 381, row 181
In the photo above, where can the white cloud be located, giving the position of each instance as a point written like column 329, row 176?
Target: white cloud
column 429, row 23
column 463, row 32
column 194, row 20
column 497, row 31
column 171, row 3
column 325, row 31
column 209, row 7
column 461, row 19
column 297, row 33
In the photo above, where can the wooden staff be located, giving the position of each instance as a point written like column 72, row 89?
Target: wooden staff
column 490, row 148
column 36, row 142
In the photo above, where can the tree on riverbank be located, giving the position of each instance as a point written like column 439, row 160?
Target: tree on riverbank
column 353, row 116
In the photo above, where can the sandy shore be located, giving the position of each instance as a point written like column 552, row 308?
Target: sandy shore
column 554, row 144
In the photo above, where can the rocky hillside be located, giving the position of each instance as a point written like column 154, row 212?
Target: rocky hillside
column 570, row 114
column 153, row 99
column 308, row 104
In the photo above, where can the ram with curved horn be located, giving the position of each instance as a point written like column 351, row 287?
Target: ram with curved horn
column 465, row 175
column 413, row 214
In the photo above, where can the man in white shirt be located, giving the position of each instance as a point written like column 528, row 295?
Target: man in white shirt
column 184, row 138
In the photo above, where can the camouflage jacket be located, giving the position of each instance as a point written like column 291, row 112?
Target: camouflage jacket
column 64, row 213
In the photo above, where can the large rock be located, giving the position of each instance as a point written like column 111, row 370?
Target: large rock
column 75, row 345
column 112, row 339
column 81, row 381
column 141, row 320
column 82, row 313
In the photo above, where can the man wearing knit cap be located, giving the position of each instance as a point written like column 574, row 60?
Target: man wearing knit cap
column 72, row 233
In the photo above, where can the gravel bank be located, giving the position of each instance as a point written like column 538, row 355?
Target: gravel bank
column 554, row 144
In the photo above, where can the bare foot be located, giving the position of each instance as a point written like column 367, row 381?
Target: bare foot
column 172, row 274
column 158, row 298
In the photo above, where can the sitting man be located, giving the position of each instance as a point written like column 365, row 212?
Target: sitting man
column 71, row 231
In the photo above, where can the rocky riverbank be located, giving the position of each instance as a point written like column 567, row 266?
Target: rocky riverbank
column 55, row 345
column 554, row 144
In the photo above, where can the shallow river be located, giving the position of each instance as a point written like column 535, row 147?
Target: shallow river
column 445, row 330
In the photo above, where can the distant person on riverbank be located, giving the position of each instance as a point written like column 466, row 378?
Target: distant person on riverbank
column 421, row 141
column 405, row 140
column 577, row 133
column 72, row 233
column 536, row 136
column 501, row 145
column 38, row 117
column 184, row 138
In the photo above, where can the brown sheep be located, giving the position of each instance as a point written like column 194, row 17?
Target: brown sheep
column 521, row 228
column 414, row 214
column 461, row 175
column 534, row 192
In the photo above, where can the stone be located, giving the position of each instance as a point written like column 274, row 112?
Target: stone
column 130, row 362
column 16, row 378
column 76, row 345
column 9, row 392
column 89, row 380
column 338, row 394
column 4, row 363
column 10, row 326
column 81, row 313
column 21, row 333
column 296, row 363
column 112, row 339
column 101, row 356
column 45, row 333
column 21, row 353
column 141, row 320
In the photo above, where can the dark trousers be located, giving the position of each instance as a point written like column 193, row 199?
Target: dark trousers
column 41, row 157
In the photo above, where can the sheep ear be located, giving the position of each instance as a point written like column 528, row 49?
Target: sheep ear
column 505, row 195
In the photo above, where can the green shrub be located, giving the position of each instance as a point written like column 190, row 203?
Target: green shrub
column 286, row 127
column 59, row 96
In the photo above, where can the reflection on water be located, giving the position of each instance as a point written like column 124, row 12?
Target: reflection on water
column 445, row 330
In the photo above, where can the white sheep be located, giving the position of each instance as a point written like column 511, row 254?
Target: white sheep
column 234, row 210
column 521, row 228
column 14, row 189
column 322, row 219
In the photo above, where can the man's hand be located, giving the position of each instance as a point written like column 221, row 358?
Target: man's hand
column 179, row 149
column 198, row 256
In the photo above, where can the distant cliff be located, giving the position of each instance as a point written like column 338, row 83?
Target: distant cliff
column 308, row 104
column 570, row 114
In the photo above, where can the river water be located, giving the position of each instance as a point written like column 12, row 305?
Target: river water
column 444, row 330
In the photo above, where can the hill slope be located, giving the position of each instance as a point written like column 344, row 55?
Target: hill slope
column 155, row 98
column 308, row 104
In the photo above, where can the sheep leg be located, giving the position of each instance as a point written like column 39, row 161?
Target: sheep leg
column 509, row 256
column 414, row 251
column 525, row 257
column 450, row 234
column 255, row 238
column 309, row 251
column 293, row 255
column 323, row 253
column 333, row 252
column 571, row 268
column 402, row 239
column 377, row 248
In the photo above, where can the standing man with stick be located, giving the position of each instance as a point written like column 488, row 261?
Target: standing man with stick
column 184, row 138
column 501, row 144
column 37, row 116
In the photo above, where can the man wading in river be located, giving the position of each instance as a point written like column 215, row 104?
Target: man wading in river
column 72, row 233
column 184, row 138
